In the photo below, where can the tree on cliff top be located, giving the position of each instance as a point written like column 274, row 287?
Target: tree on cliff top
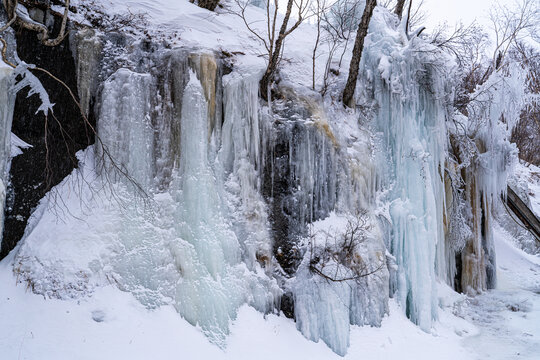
column 348, row 92
column 274, row 38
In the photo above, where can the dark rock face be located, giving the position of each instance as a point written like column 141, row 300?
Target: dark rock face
column 55, row 139
column 275, row 185
column 299, row 181
column 287, row 305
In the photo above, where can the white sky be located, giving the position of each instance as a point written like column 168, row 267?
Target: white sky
column 453, row 11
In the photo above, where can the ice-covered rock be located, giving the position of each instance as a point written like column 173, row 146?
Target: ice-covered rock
column 410, row 94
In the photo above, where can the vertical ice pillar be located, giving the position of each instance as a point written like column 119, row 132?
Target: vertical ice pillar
column 209, row 291
column 7, row 102
column 414, row 208
column 240, row 163
column 87, row 52
column 411, row 120
column 125, row 128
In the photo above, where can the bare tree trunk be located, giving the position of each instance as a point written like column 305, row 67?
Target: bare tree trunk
column 314, row 57
column 348, row 92
column 399, row 8
column 275, row 56
column 208, row 4
column 408, row 18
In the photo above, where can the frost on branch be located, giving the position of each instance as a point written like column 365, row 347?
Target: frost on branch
column 342, row 280
column 27, row 79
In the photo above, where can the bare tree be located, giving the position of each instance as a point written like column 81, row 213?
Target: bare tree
column 338, row 24
column 513, row 24
column 466, row 43
column 338, row 259
column 318, row 11
column 348, row 92
column 398, row 10
column 510, row 26
column 274, row 39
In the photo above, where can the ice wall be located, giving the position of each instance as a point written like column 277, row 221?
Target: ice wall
column 188, row 254
column 225, row 177
column 410, row 94
column 322, row 164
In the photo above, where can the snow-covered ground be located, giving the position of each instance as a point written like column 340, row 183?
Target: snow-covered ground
column 112, row 324
column 508, row 318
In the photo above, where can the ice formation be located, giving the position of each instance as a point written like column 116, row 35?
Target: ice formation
column 324, row 308
column 207, row 279
column 7, row 101
column 219, row 201
column 126, row 106
column 488, row 158
column 411, row 121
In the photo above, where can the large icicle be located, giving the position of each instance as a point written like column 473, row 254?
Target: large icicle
column 7, row 102
column 411, row 118
column 209, row 291
column 125, row 127
column 240, row 161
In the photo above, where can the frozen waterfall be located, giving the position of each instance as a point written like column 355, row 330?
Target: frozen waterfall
column 199, row 195
column 410, row 95
column 209, row 280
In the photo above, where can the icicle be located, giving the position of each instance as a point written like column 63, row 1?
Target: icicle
column 87, row 52
column 411, row 119
column 7, row 103
column 125, row 128
column 239, row 160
